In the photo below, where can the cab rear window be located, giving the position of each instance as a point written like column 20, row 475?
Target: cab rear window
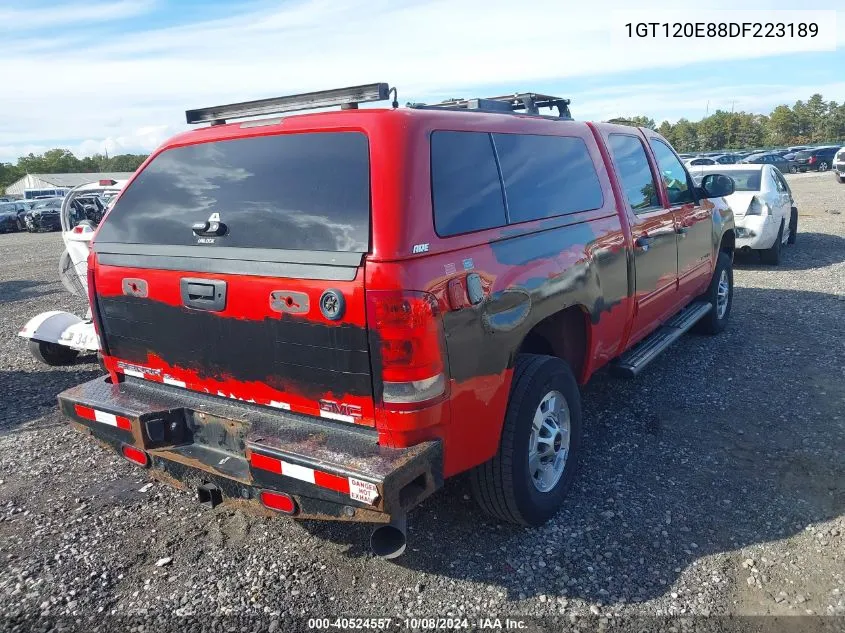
column 307, row 191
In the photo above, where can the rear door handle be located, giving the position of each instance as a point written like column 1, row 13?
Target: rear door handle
column 643, row 242
column 203, row 294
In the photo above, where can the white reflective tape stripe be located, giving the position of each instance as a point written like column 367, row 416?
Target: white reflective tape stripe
column 298, row 472
column 280, row 405
column 105, row 418
column 172, row 381
column 132, row 372
column 336, row 416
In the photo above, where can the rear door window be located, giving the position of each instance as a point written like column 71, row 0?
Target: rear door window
column 465, row 185
column 637, row 179
column 307, row 191
column 546, row 176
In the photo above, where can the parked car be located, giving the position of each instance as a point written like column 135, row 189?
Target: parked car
column 839, row 165
column 8, row 217
column 43, row 215
column 279, row 332
column 725, row 159
column 816, row 159
column 699, row 160
column 771, row 158
column 21, row 207
column 56, row 337
column 764, row 210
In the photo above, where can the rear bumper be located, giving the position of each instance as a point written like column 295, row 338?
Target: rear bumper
column 332, row 471
column 756, row 231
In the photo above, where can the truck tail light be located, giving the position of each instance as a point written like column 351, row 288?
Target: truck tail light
column 406, row 339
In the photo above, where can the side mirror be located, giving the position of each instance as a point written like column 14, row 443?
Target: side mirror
column 717, row 185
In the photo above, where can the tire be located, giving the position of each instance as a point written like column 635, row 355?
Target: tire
column 822, row 166
column 793, row 226
column 841, row 180
column 771, row 255
column 716, row 320
column 793, row 169
column 504, row 487
column 52, row 354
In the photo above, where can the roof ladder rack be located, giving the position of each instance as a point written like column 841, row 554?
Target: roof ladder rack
column 346, row 98
column 519, row 103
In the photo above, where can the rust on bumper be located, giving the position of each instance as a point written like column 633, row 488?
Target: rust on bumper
column 195, row 439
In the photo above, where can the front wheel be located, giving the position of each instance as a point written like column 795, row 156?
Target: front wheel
column 52, row 354
column 527, row 480
column 720, row 295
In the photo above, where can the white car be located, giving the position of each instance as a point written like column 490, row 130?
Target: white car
column 839, row 165
column 764, row 210
column 57, row 337
column 698, row 161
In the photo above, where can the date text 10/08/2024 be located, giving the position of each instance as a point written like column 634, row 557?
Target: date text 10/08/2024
column 722, row 29
column 418, row 624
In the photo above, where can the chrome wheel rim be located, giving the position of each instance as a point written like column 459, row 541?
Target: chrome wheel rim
column 548, row 446
column 723, row 293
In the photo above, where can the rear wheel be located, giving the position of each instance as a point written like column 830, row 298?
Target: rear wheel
column 822, row 166
column 793, row 226
column 527, row 480
column 793, row 169
column 771, row 255
column 52, row 353
column 720, row 296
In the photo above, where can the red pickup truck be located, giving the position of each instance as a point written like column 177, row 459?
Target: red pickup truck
column 325, row 315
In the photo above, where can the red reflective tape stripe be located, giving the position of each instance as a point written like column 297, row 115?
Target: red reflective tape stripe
column 123, row 423
column 303, row 473
column 85, row 412
column 266, row 463
column 332, row 482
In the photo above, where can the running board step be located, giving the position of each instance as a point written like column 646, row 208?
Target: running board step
column 634, row 360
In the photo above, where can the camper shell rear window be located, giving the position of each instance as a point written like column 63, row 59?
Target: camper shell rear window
column 307, row 191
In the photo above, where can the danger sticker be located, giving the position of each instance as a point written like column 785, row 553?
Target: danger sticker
column 362, row 490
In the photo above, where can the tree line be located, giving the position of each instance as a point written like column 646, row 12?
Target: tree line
column 63, row 161
column 804, row 123
column 811, row 122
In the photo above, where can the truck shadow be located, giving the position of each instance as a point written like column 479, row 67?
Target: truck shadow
column 686, row 461
column 21, row 289
column 28, row 396
column 811, row 250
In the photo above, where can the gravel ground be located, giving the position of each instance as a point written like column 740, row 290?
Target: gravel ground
column 713, row 484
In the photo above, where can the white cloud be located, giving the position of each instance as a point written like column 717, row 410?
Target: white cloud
column 63, row 15
column 128, row 92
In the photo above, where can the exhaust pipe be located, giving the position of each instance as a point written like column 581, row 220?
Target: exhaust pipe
column 389, row 540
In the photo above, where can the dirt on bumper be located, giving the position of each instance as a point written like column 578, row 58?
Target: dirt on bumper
column 332, row 471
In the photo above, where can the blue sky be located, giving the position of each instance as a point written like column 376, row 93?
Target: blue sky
column 92, row 75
